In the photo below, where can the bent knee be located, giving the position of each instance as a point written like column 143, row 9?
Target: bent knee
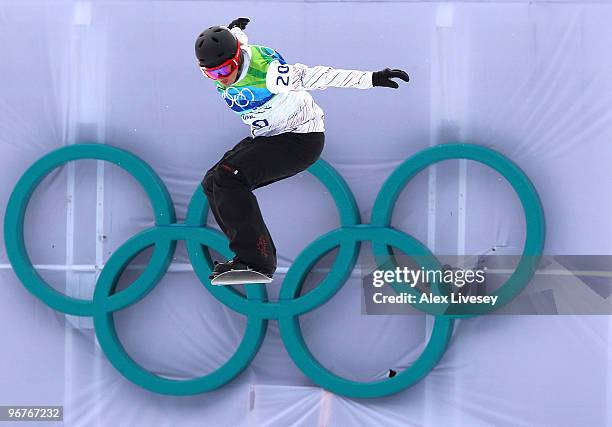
column 228, row 174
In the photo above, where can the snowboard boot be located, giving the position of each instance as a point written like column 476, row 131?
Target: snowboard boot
column 234, row 264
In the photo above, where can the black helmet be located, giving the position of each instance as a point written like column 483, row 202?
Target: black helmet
column 215, row 46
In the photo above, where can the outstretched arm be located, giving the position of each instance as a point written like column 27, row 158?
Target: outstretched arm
column 284, row 78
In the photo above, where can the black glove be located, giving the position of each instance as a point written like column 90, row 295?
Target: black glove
column 239, row 22
column 383, row 78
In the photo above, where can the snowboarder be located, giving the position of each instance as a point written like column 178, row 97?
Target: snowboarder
column 287, row 132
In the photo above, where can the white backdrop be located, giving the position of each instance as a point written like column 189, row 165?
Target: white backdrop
column 529, row 79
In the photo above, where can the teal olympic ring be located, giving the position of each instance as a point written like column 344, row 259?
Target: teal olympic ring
column 255, row 305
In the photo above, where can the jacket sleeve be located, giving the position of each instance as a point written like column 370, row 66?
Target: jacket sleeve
column 240, row 35
column 284, row 78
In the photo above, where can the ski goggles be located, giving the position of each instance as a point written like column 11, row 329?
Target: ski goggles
column 223, row 70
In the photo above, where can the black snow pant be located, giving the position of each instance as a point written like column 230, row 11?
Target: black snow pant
column 250, row 164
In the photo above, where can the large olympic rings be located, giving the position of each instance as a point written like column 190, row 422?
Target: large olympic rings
column 255, row 305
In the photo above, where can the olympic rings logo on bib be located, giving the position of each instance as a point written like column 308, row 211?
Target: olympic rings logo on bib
column 238, row 97
column 255, row 305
